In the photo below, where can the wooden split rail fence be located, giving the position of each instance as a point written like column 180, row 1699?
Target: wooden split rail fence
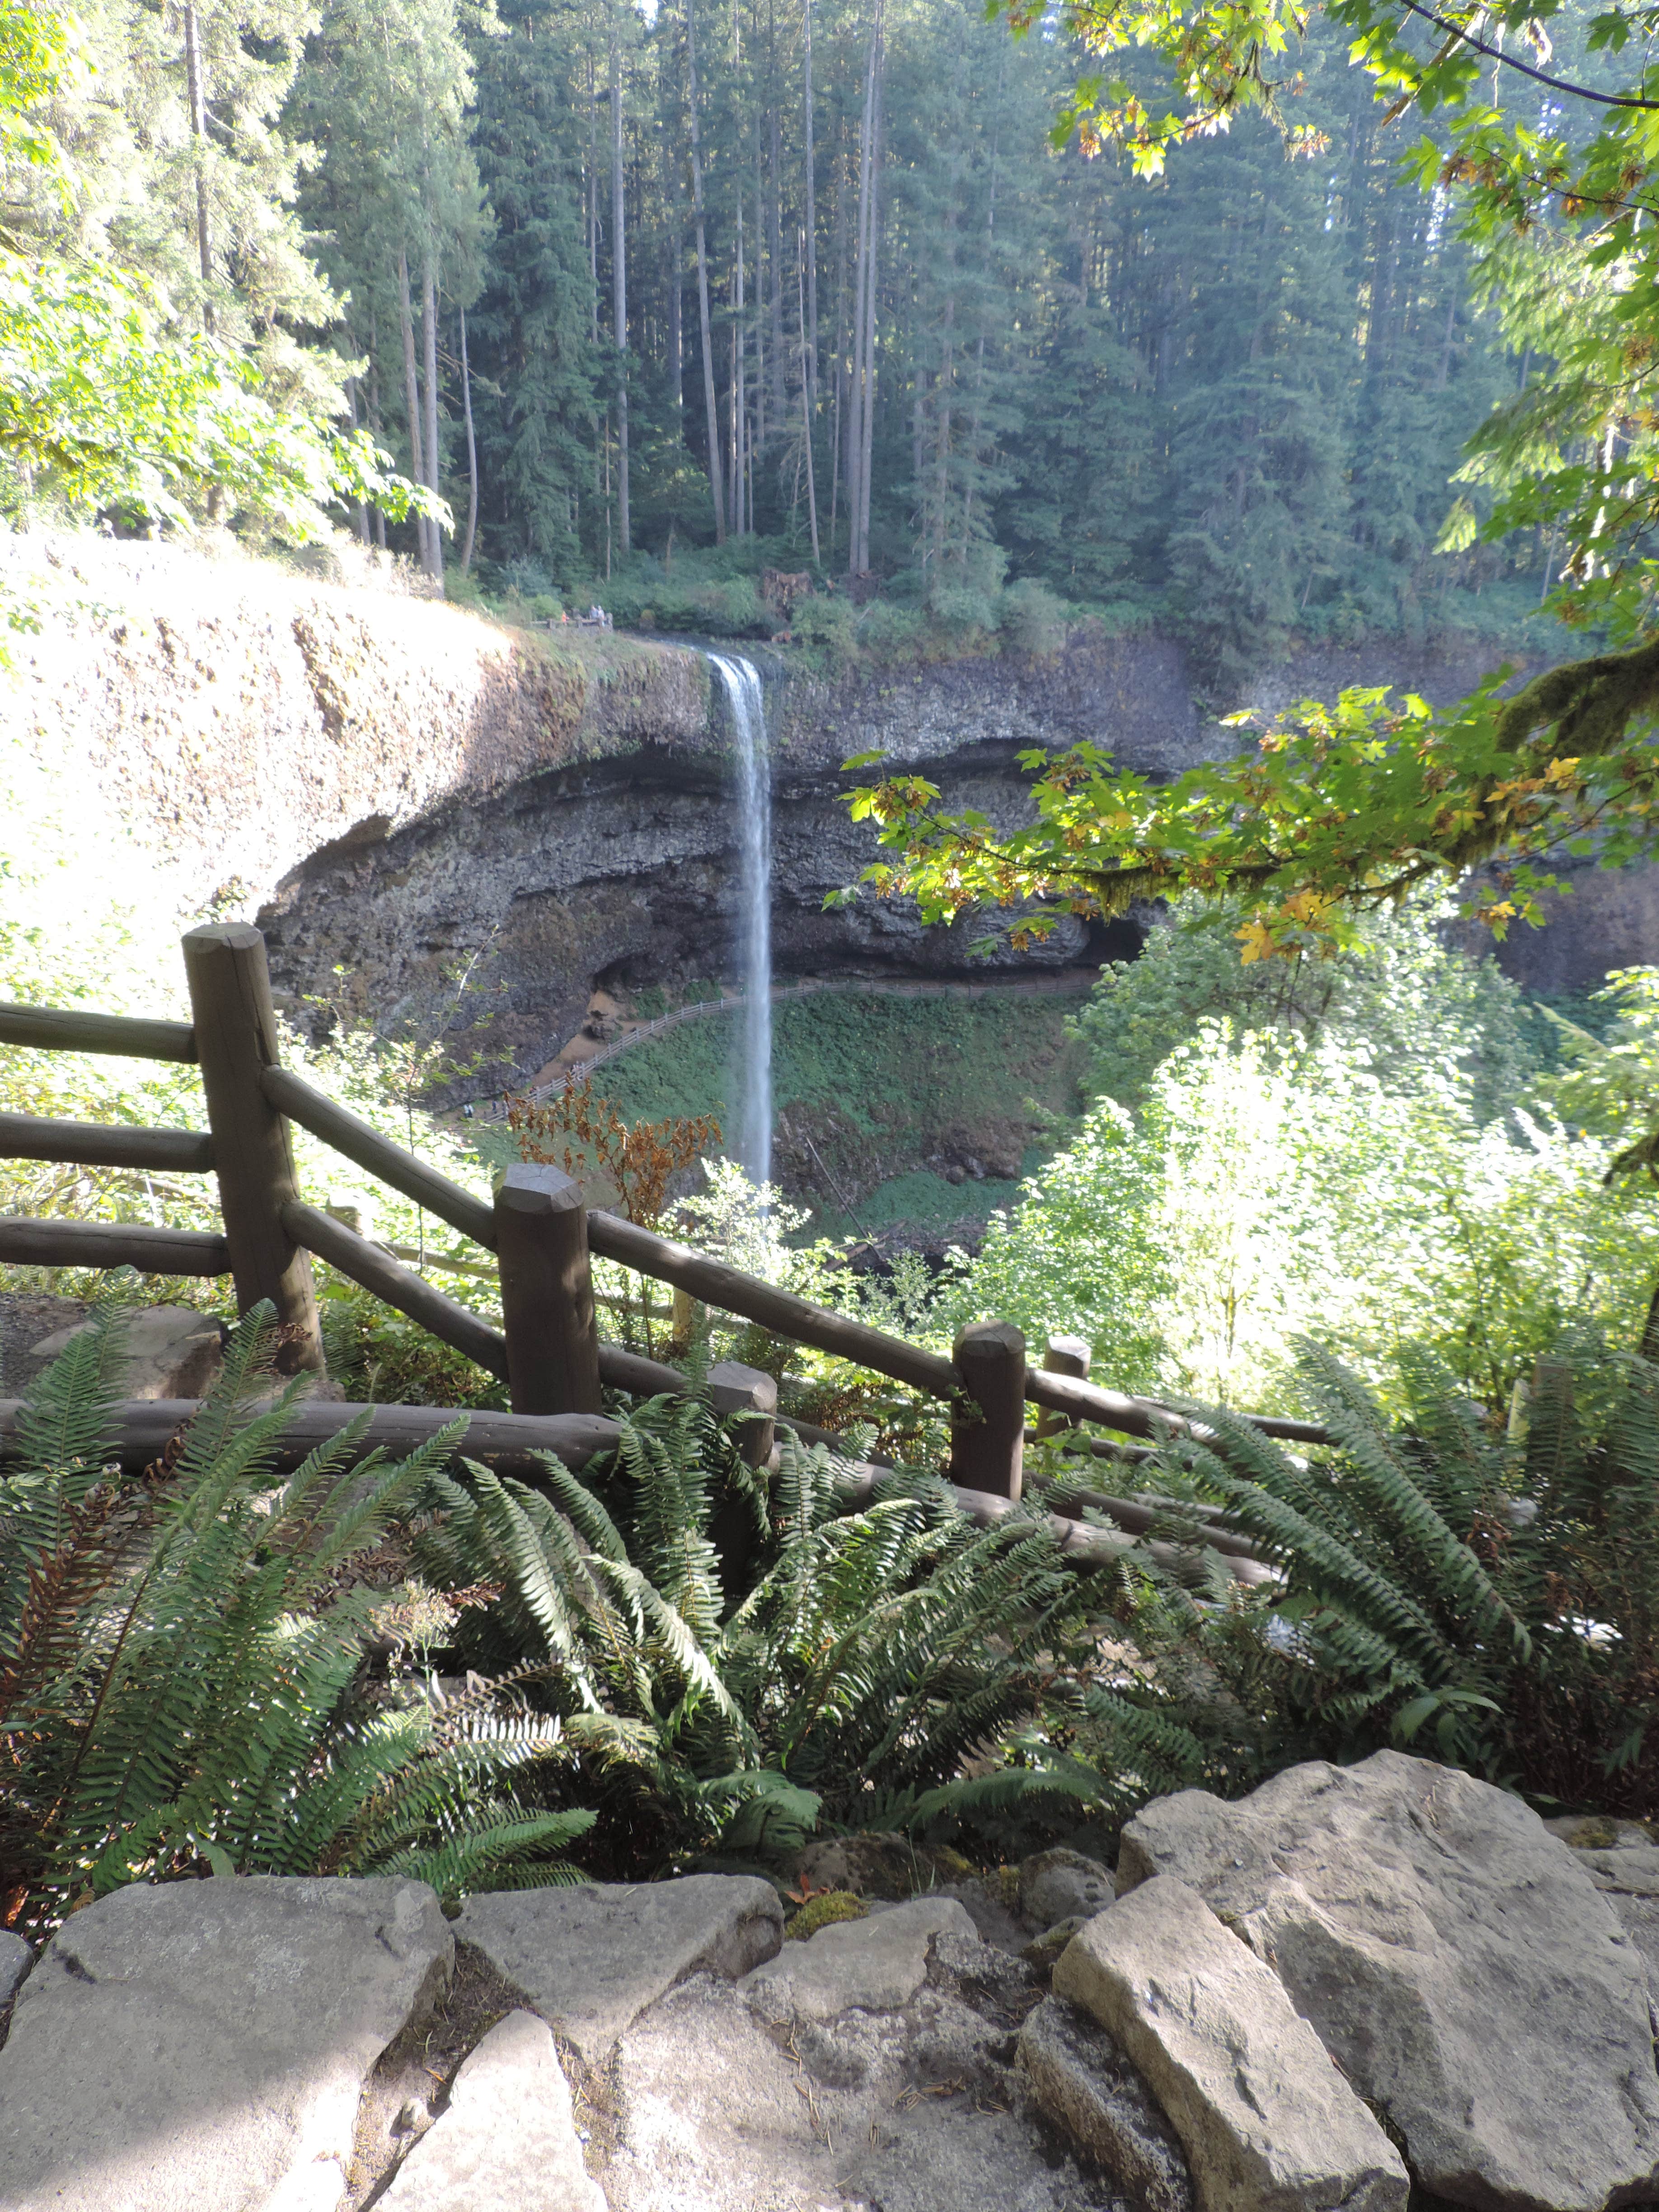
column 541, row 1234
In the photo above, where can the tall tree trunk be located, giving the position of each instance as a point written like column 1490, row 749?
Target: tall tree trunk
column 712, row 411
column 839, row 410
column 359, row 512
column 471, row 455
column 197, row 84
column 990, row 263
column 775, row 252
column 757, row 443
column 740, row 475
column 593, row 205
column 864, row 367
column 375, row 410
column 861, row 259
column 412, row 401
column 619, row 290
column 429, row 334
column 677, row 300
column 812, row 222
column 806, row 397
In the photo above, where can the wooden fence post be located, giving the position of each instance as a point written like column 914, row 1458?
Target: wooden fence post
column 547, row 1293
column 1063, row 1355
column 987, row 1433
column 735, row 1388
column 235, row 1026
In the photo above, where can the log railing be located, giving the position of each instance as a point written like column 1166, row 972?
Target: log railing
column 548, row 1351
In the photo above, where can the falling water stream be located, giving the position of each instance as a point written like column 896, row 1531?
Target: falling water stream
column 742, row 690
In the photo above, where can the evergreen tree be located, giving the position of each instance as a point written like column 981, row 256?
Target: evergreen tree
column 536, row 362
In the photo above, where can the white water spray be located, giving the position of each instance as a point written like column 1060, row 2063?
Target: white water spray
column 742, row 690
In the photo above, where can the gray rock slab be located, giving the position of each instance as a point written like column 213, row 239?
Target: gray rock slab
column 173, row 1351
column 1063, row 1885
column 592, row 1958
column 1267, row 2122
column 507, row 2141
column 205, row 2044
column 1639, row 1917
column 868, row 1965
column 1633, row 1870
column 714, row 2113
column 1457, row 1960
column 15, row 1959
column 995, row 1923
column 1090, row 2087
column 1588, row 1831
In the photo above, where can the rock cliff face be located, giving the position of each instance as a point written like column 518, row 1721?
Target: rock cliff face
column 403, row 791
column 619, row 869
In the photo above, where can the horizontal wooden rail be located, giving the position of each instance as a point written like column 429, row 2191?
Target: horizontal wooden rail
column 63, row 1029
column 781, row 1311
column 1138, row 1515
column 632, row 1371
column 104, row 1144
column 1145, row 1416
column 503, row 1441
column 715, row 1284
column 1080, row 1544
column 372, row 1267
column 50, row 1243
column 348, row 1133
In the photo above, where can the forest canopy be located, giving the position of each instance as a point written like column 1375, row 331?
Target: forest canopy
column 818, row 276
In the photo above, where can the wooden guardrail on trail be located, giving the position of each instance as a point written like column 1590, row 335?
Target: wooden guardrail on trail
column 548, row 1351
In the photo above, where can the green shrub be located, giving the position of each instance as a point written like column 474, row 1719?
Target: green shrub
column 1032, row 619
column 963, row 611
column 182, row 1673
column 890, row 633
column 825, row 627
column 380, row 1357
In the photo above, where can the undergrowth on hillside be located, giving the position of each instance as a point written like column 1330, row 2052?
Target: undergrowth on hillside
column 871, row 1089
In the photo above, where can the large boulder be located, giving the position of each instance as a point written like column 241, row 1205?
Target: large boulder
column 722, row 2099
column 172, row 1351
column 1456, row 1961
column 1267, row 2122
column 1092, row 2090
column 15, row 1959
column 206, row 2043
column 876, row 1964
column 508, row 2139
column 591, row 1958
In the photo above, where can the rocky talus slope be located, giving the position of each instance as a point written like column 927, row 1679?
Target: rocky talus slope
column 1358, row 1989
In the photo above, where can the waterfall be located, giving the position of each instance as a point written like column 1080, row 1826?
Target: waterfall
column 742, row 690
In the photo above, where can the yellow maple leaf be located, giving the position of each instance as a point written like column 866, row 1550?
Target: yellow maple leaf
column 1257, row 941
